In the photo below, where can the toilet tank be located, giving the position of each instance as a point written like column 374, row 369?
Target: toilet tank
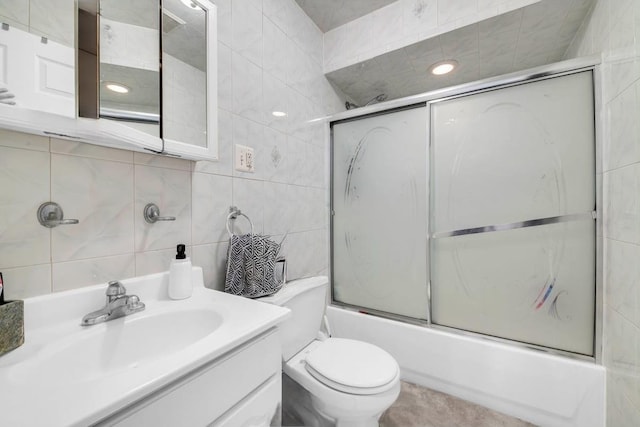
column 307, row 299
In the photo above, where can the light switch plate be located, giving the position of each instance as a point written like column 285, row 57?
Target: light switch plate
column 244, row 158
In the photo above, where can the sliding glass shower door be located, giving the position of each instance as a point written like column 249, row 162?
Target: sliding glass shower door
column 512, row 214
column 379, row 232
column 474, row 212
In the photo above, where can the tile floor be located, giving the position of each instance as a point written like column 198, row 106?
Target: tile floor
column 421, row 407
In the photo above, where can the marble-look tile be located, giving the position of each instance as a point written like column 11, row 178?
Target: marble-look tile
column 248, row 196
column 305, row 254
column 224, row 164
column 25, row 141
column 275, row 57
column 151, row 262
column 388, row 23
column 301, row 207
column 166, row 162
column 621, row 206
column 100, row 195
column 86, row 272
column 250, row 134
column 225, row 79
column 82, row 149
column 247, row 29
column 621, row 411
column 621, row 276
column 620, row 345
column 211, row 199
column 171, row 191
column 54, row 19
column 24, row 175
column 297, row 164
column 452, row 10
column 275, row 101
column 621, row 145
column 316, row 167
column 277, row 11
column 225, row 32
column 26, row 282
column 15, row 12
column 418, row 16
column 276, row 157
column 213, row 260
column 278, row 210
column 247, row 88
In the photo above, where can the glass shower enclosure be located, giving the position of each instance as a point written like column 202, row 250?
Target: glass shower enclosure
column 475, row 212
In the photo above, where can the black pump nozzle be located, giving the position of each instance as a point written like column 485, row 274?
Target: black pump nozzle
column 181, row 255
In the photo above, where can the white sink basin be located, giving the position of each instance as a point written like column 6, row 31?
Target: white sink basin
column 66, row 374
column 120, row 344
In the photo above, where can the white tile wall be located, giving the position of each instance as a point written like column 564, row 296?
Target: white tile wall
column 404, row 23
column 612, row 31
column 53, row 19
column 269, row 57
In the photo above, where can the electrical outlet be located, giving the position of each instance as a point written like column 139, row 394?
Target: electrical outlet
column 244, row 158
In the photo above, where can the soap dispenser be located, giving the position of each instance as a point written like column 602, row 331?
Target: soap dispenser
column 180, row 286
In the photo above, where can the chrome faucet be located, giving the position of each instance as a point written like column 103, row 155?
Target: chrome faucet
column 118, row 305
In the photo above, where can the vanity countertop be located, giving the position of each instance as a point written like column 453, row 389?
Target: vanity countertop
column 69, row 375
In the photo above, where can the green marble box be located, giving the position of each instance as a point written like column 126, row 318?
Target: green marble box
column 11, row 325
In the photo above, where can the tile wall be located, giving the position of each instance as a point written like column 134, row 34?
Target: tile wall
column 613, row 31
column 404, row 23
column 48, row 18
column 270, row 59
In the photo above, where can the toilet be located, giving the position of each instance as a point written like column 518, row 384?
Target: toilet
column 329, row 381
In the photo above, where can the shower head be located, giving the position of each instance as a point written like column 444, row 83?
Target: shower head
column 378, row 98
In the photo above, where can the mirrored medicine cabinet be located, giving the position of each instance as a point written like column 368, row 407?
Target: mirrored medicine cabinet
column 137, row 75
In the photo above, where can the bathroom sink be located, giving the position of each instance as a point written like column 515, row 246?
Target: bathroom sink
column 79, row 375
column 118, row 345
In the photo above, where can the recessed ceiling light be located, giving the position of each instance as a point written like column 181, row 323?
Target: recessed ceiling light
column 443, row 67
column 117, row 87
column 279, row 113
column 190, row 4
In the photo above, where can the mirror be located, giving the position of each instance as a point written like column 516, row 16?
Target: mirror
column 153, row 69
column 37, row 55
column 129, row 85
column 184, row 72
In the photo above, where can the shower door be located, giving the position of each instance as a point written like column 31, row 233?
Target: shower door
column 379, row 204
column 512, row 213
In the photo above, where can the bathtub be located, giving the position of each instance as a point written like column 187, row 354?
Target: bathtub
column 543, row 389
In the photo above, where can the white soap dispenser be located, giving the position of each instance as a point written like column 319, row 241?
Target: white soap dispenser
column 180, row 286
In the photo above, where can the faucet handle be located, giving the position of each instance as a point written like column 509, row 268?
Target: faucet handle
column 115, row 289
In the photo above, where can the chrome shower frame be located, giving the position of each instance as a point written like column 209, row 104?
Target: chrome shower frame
column 572, row 66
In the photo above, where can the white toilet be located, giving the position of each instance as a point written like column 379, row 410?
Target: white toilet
column 329, row 381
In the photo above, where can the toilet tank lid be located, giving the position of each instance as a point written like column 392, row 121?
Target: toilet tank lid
column 293, row 288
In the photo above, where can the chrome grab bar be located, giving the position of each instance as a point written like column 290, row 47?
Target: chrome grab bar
column 515, row 225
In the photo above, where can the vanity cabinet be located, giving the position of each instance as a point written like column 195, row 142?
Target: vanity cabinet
column 243, row 387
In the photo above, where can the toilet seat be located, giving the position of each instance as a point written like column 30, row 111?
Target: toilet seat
column 353, row 367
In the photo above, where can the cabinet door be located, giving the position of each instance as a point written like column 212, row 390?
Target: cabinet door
column 189, row 79
column 40, row 73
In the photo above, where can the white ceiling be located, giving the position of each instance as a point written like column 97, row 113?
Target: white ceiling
column 528, row 37
column 329, row 14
